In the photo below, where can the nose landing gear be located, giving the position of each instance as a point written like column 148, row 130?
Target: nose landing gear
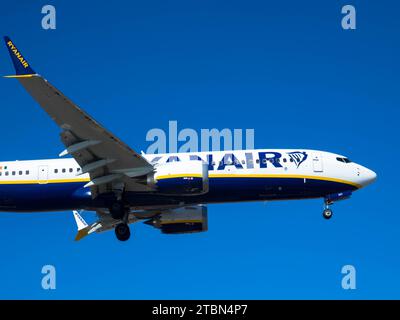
column 327, row 213
column 331, row 198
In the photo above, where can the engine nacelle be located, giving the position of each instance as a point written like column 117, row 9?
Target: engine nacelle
column 180, row 178
column 181, row 220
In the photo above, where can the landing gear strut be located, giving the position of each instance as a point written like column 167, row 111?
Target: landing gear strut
column 120, row 212
column 327, row 213
column 117, row 210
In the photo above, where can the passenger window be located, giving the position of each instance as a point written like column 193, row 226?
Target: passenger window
column 20, row 173
column 258, row 161
column 70, row 170
column 284, row 160
column 243, row 162
column 6, row 173
column 27, row 172
column 13, row 173
column 63, row 170
column 78, row 169
column 55, row 170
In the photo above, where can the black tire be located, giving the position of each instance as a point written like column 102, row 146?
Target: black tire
column 122, row 232
column 327, row 214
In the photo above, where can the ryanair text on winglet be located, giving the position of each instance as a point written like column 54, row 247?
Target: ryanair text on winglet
column 17, row 54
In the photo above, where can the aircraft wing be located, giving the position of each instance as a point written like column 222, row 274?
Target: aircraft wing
column 109, row 162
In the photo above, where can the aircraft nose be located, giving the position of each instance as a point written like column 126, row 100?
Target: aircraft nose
column 367, row 176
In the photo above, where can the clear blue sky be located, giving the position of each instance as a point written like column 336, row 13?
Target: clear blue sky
column 286, row 69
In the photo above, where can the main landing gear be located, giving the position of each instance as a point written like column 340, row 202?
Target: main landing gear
column 122, row 232
column 327, row 213
column 120, row 212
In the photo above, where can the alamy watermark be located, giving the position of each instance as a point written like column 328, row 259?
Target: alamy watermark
column 349, row 20
column 49, row 18
column 349, row 278
column 49, row 279
column 189, row 140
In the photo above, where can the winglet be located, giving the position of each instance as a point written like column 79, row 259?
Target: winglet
column 83, row 227
column 80, row 222
column 22, row 67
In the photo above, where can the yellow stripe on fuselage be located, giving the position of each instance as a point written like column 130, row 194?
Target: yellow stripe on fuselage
column 44, row 181
column 20, row 76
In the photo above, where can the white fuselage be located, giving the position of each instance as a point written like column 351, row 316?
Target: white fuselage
column 268, row 173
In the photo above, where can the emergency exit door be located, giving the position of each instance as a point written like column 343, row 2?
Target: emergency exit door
column 317, row 164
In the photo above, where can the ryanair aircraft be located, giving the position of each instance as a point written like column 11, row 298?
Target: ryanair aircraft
column 166, row 191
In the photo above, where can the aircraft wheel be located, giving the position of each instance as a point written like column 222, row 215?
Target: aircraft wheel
column 327, row 214
column 122, row 232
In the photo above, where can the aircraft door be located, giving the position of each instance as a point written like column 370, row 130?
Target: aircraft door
column 43, row 174
column 317, row 163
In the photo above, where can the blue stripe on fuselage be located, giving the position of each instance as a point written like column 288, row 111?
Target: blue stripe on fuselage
column 72, row 195
column 43, row 197
column 248, row 189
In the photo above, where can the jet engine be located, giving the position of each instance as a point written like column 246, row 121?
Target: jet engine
column 181, row 220
column 183, row 178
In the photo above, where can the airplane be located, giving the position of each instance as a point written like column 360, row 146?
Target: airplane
column 169, row 192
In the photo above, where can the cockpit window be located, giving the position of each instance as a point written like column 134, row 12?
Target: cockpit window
column 345, row 160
